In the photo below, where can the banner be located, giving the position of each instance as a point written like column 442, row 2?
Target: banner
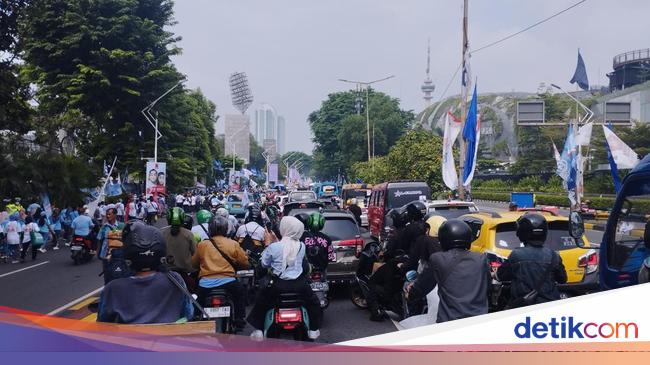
column 273, row 172
column 472, row 135
column 156, row 178
column 47, row 206
column 567, row 167
column 623, row 155
column 452, row 129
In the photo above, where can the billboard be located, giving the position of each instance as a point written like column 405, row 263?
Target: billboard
column 273, row 172
column 156, row 178
column 531, row 112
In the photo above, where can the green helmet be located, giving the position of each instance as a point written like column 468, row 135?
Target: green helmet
column 175, row 217
column 203, row 216
column 316, row 222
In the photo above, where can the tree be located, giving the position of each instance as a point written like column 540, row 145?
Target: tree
column 415, row 156
column 257, row 160
column 340, row 135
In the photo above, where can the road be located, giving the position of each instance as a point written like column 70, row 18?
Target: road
column 52, row 282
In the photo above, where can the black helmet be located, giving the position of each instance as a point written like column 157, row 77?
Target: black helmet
column 144, row 247
column 394, row 218
column 416, row 211
column 254, row 214
column 455, row 233
column 188, row 222
column 532, row 229
column 218, row 226
column 304, row 218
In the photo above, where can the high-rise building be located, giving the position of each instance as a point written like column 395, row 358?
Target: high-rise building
column 237, row 138
column 281, row 135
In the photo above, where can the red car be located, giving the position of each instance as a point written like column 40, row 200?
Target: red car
column 389, row 195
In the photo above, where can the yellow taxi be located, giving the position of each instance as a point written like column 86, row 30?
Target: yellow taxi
column 496, row 236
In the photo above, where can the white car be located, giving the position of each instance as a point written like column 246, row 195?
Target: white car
column 450, row 208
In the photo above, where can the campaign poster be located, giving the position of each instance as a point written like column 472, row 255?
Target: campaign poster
column 156, row 178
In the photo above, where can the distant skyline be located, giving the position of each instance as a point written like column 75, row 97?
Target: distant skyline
column 294, row 51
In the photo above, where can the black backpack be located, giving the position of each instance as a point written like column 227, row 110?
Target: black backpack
column 248, row 243
column 117, row 267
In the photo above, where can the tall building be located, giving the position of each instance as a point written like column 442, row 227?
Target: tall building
column 281, row 135
column 237, row 138
column 428, row 87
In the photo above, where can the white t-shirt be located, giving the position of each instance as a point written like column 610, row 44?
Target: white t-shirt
column 27, row 230
column 120, row 208
column 193, row 201
column 133, row 210
column 253, row 229
column 152, row 207
column 12, row 230
column 200, row 232
column 179, row 199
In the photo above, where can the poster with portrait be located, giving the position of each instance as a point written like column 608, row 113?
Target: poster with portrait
column 156, row 178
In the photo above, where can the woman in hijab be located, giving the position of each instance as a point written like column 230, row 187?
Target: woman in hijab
column 286, row 259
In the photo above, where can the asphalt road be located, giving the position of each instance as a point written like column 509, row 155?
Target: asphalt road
column 52, row 282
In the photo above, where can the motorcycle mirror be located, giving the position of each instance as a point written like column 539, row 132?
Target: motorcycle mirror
column 577, row 228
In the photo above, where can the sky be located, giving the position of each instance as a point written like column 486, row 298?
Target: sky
column 294, row 51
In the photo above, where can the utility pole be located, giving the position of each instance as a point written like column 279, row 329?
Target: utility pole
column 463, row 107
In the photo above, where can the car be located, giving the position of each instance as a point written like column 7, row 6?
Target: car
column 450, row 208
column 391, row 195
column 304, row 207
column 236, row 203
column 344, row 232
column 282, row 200
column 301, row 196
column 495, row 235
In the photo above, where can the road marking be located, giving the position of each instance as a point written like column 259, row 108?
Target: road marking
column 396, row 324
column 83, row 303
column 76, row 301
column 92, row 317
column 23, row 269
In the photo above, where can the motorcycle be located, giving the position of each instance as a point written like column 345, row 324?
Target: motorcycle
column 320, row 287
column 288, row 317
column 80, row 249
column 220, row 307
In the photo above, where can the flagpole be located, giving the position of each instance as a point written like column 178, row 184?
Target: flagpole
column 463, row 110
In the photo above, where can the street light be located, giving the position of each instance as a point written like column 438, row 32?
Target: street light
column 367, row 85
column 151, row 119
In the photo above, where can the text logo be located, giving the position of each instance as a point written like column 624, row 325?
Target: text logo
column 568, row 327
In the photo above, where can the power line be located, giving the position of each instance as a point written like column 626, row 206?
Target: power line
column 529, row 27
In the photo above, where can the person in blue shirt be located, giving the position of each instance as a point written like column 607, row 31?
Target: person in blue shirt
column 83, row 224
column 102, row 239
column 43, row 227
column 70, row 215
column 286, row 259
column 56, row 221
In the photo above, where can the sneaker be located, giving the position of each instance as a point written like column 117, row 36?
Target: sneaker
column 42, row 250
column 313, row 334
column 14, row 261
column 67, row 244
column 257, row 335
column 56, row 247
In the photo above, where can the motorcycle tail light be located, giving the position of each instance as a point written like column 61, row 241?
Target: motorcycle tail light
column 216, row 302
column 315, row 276
column 288, row 315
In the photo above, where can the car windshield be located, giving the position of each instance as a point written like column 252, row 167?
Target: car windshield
column 340, row 228
column 303, row 195
column 234, row 198
column 558, row 237
column 398, row 197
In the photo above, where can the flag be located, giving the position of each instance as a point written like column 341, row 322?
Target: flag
column 613, row 168
column 580, row 75
column 567, row 166
column 452, row 129
column 126, row 176
column 466, row 77
column 471, row 134
column 556, row 155
column 105, row 169
column 623, row 155
column 584, row 134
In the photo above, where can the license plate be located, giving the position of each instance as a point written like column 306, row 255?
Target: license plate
column 236, row 206
column 75, row 248
column 218, row 312
column 319, row 286
column 245, row 273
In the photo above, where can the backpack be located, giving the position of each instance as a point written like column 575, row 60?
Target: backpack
column 247, row 243
column 36, row 238
column 117, row 267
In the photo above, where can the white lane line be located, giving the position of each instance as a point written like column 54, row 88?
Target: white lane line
column 63, row 307
column 23, row 269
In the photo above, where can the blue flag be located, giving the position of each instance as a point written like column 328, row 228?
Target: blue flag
column 580, row 75
column 613, row 167
column 471, row 135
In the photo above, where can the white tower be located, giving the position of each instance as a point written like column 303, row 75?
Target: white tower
column 428, row 86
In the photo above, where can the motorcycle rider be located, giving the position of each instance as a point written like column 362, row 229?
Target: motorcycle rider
column 319, row 246
column 232, row 221
column 411, row 215
column 180, row 245
column 286, row 260
column 462, row 276
column 82, row 225
column 110, row 225
column 251, row 235
column 203, row 217
column 149, row 296
column 355, row 210
column 533, row 269
column 217, row 271
column 426, row 244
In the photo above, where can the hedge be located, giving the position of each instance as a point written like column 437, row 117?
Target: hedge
column 604, row 203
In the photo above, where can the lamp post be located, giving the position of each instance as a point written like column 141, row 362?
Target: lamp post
column 367, row 85
column 154, row 120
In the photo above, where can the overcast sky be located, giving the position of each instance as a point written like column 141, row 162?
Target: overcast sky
column 294, row 51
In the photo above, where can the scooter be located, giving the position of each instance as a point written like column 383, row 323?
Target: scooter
column 287, row 318
column 80, row 249
column 220, row 307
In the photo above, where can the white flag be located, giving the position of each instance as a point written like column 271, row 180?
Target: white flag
column 584, row 134
column 449, row 173
column 556, row 154
column 624, row 156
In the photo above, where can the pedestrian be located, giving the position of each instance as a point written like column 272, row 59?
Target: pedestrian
column 119, row 209
column 43, row 228
column 13, row 231
column 102, row 238
column 152, row 210
column 355, row 210
column 30, row 229
column 56, row 221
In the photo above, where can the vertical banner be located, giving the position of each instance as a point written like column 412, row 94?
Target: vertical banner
column 47, row 206
column 452, row 130
column 156, row 178
column 273, row 172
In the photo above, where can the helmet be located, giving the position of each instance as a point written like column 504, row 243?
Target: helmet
column 532, row 229
column 188, row 222
column 434, row 224
column 394, row 218
column 455, row 233
column 144, row 247
column 254, row 214
column 218, row 226
column 175, row 216
column 316, row 222
column 416, row 211
column 203, row 216
column 304, row 218
column 222, row 212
